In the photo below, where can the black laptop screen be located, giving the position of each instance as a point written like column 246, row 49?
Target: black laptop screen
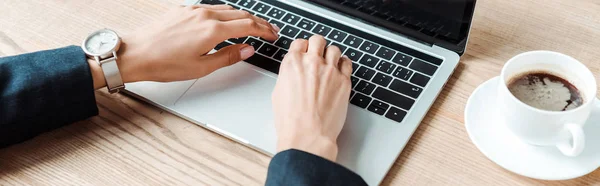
column 428, row 20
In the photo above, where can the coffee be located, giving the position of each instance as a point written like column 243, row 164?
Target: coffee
column 545, row 91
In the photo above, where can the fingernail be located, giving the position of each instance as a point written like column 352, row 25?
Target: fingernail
column 246, row 52
column 277, row 29
column 346, row 57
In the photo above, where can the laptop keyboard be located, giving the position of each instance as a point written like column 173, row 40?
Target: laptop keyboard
column 387, row 77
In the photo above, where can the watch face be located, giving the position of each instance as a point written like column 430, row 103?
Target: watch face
column 101, row 42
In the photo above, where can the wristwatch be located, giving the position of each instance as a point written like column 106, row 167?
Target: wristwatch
column 103, row 46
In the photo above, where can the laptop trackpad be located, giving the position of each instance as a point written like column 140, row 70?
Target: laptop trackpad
column 237, row 101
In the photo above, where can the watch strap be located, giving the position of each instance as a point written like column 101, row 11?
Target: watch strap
column 114, row 82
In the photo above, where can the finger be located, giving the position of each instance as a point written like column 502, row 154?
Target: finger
column 299, row 45
column 345, row 65
column 226, row 56
column 316, row 45
column 212, row 7
column 332, row 55
column 230, row 15
column 249, row 27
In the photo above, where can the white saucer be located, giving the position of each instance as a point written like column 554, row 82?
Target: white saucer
column 495, row 141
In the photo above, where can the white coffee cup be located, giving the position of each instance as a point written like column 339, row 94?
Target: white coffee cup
column 563, row 129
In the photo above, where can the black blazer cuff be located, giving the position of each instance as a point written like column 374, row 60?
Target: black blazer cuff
column 295, row 167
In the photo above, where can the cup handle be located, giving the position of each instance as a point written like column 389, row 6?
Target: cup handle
column 578, row 141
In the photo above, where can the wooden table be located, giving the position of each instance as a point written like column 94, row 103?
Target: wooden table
column 133, row 143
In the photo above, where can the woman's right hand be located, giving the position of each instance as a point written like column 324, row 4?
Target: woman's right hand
column 310, row 100
column 175, row 47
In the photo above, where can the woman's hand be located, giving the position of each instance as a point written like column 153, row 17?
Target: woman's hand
column 175, row 48
column 310, row 100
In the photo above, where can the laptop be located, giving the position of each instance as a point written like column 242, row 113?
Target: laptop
column 403, row 52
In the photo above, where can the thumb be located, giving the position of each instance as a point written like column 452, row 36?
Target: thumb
column 227, row 56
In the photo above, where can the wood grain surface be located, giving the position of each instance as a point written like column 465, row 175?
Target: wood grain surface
column 133, row 143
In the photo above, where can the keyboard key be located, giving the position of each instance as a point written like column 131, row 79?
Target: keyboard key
column 322, row 30
column 354, row 67
column 234, row 1
column 382, row 79
column 262, row 8
column 393, row 98
column 385, row 53
column 412, row 25
column 238, row 40
column 353, row 41
column 247, row 11
column 284, row 42
column 276, row 13
column 365, row 87
column 337, row 35
column 278, row 23
column 419, row 79
column 402, row 73
column 291, row 19
column 365, row 73
column 304, row 35
column 378, row 107
column 213, row 2
column 369, row 47
column 406, row 89
column 264, row 63
column 306, row 24
column 402, row 59
column 340, row 46
column 289, row 31
column 386, row 67
column 400, row 21
column 396, row 114
column 350, row 5
column 351, row 94
column 267, row 49
column 222, row 45
column 254, row 42
column 365, row 10
column 353, row 54
column 369, row 60
column 354, row 81
column 234, row 6
column 280, row 54
column 263, row 17
column 247, row 3
column 423, row 67
column 360, row 100
column 381, row 15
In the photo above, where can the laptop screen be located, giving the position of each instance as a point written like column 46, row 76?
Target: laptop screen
column 443, row 22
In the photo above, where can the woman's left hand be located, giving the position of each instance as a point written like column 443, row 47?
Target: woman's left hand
column 175, row 47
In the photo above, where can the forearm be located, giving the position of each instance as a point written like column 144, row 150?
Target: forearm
column 43, row 90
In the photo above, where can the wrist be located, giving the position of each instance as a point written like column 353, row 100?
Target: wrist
column 130, row 65
column 97, row 74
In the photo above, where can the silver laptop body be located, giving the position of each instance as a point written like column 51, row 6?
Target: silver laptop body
column 236, row 103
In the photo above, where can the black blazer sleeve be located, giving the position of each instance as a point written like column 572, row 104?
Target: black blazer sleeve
column 42, row 91
column 295, row 167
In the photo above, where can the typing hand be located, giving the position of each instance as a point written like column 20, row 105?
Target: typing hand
column 175, row 47
column 310, row 100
